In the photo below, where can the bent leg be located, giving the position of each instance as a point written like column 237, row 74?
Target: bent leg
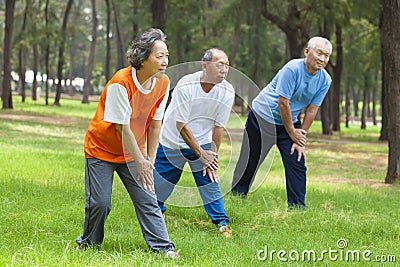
column 148, row 212
column 168, row 168
column 295, row 172
column 258, row 138
column 210, row 192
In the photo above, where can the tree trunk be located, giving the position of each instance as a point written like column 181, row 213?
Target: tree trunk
column 158, row 14
column 347, row 103
column 60, row 64
column 384, row 129
column 391, row 54
column 235, row 43
column 86, row 87
column 135, row 26
column 295, row 29
column 365, row 103
column 21, row 56
column 47, row 53
column 179, row 46
column 72, row 49
column 108, row 42
column 120, row 37
column 374, row 89
column 9, row 20
column 326, row 115
column 337, row 74
column 35, row 72
column 356, row 99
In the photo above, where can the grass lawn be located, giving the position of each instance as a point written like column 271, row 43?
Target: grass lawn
column 352, row 218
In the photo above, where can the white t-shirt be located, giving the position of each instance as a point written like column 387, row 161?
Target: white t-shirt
column 200, row 110
column 117, row 107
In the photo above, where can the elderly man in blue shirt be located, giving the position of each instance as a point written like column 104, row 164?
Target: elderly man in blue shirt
column 273, row 119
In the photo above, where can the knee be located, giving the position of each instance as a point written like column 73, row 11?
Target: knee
column 102, row 206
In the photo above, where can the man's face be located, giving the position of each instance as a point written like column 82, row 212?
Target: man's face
column 216, row 70
column 318, row 57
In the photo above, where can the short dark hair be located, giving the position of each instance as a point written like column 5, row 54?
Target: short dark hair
column 142, row 46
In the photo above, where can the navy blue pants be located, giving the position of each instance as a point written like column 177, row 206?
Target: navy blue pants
column 258, row 138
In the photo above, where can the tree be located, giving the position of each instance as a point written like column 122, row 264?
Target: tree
column 60, row 64
column 384, row 128
column 108, row 41
column 294, row 22
column 158, row 14
column 7, row 91
column 120, row 36
column 47, row 50
column 391, row 57
column 88, row 79
column 21, row 54
column 73, row 45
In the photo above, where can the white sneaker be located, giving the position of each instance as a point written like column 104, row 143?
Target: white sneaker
column 172, row 254
column 226, row 231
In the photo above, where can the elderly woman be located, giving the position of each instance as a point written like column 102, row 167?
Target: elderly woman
column 123, row 137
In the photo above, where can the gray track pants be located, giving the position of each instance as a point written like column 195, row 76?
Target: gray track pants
column 98, row 185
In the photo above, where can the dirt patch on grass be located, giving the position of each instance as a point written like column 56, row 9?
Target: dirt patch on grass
column 372, row 183
column 62, row 121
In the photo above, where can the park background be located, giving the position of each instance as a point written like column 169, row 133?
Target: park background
column 64, row 54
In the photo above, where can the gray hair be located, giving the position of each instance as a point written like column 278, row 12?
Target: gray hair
column 141, row 48
column 312, row 43
column 208, row 55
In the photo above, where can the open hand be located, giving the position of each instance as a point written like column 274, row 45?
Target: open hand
column 213, row 174
column 299, row 136
column 301, row 150
column 209, row 159
column 145, row 174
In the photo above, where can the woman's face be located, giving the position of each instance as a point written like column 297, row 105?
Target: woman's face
column 157, row 62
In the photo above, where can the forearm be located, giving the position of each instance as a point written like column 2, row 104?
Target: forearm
column 129, row 141
column 286, row 114
column 153, row 135
column 216, row 138
column 309, row 117
column 189, row 138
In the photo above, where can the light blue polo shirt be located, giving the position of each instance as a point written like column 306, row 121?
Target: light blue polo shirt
column 295, row 83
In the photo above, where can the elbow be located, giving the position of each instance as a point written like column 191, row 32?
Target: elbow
column 179, row 126
column 282, row 103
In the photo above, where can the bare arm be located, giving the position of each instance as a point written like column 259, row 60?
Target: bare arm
column 207, row 157
column 217, row 138
column 311, row 112
column 144, row 167
column 188, row 137
column 297, row 135
column 216, row 142
column 153, row 135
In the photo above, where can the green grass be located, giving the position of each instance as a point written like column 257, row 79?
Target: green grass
column 42, row 201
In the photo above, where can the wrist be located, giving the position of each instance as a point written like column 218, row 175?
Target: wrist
column 199, row 152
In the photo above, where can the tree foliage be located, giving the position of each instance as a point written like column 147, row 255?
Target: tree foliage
column 258, row 36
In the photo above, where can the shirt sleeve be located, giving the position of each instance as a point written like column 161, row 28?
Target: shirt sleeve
column 161, row 109
column 182, row 104
column 319, row 97
column 286, row 82
column 117, row 108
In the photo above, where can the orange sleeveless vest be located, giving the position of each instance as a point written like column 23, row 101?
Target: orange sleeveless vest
column 102, row 140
